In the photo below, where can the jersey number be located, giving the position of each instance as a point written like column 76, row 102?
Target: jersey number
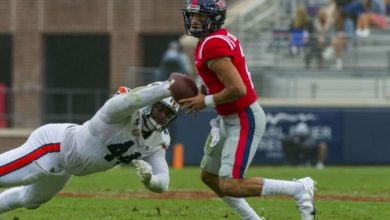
column 116, row 151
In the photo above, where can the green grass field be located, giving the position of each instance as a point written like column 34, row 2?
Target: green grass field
column 344, row 193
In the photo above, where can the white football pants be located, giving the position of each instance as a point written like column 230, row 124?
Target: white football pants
column 34, row 170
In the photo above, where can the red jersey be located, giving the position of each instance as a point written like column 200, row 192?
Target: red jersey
column 223, row 44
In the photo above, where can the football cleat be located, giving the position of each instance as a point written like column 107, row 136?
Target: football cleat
column 305, row 198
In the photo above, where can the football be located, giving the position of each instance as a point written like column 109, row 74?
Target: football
column 184, row 87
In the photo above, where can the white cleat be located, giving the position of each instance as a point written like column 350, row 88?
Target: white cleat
column 305, row 198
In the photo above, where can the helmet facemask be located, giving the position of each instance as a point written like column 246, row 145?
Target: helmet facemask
column 158, row 116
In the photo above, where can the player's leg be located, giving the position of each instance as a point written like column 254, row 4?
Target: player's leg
column 19, row 166
column 11, row 198
column 32, row 196
column 244, row 134
column 210, row 166
column 35, row 160
column 38, row 156
column 321, row 155
column 15, row 171
column 237, row 204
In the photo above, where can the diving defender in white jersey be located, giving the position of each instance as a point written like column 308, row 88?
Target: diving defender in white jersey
column 129, row 128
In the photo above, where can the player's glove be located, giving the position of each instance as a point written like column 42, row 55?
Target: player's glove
column 143, row 170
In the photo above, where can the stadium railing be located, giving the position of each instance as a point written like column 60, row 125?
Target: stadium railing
column 58, row 105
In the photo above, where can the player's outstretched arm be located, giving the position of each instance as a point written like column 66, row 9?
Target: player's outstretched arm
column 123, row 105
column 153, row 172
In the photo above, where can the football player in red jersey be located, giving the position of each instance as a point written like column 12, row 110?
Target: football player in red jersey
column 237, row 131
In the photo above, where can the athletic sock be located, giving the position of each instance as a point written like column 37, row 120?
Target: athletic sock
column 280, row 187
column 241, row 207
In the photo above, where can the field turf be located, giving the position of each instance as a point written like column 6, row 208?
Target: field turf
column 344, row 193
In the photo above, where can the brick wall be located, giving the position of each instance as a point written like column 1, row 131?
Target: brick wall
column 123, row 20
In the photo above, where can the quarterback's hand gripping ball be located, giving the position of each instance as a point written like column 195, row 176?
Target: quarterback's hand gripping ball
column 183, row 86
column 143, row 170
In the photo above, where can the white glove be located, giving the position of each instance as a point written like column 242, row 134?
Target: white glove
column 143, row 170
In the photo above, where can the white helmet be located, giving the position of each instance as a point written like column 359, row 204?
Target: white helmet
column 158, row 116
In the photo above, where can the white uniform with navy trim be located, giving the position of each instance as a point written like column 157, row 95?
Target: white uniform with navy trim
column 97, row 146
column 43, row 165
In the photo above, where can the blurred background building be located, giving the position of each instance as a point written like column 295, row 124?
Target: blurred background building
column 61, row 58
column 310, row 62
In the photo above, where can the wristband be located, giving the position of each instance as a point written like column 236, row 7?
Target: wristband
column 209, row 101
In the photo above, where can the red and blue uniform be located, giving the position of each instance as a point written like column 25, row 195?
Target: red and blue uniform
column 222, row 44
column 237, row 131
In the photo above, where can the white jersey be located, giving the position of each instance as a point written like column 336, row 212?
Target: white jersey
column 96, row 146
column 42, row 166
column 112, row 136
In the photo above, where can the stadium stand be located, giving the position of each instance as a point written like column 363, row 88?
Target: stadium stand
column 266, row 42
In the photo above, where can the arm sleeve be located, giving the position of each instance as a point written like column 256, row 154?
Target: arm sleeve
column 123, row 105
column 160, row 178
